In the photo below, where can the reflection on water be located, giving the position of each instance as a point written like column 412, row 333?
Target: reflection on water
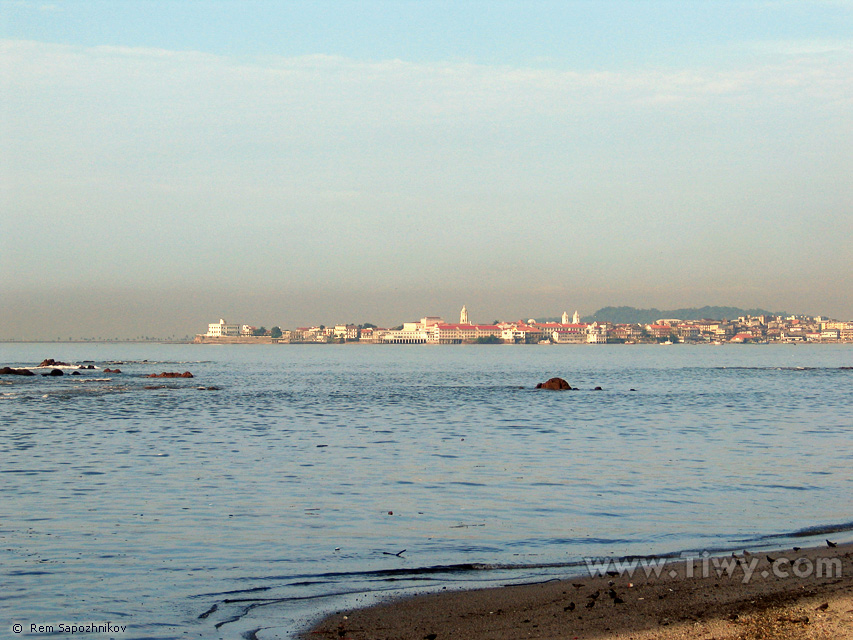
column 281, row 479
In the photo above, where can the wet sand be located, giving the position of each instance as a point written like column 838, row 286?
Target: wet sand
column 715, row 602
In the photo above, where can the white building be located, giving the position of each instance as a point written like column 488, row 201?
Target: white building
column 346, row 331
column 596, row 333
column 406, row 336
column 222, row 329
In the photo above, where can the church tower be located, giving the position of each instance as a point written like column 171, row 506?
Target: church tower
column 565, row 318
column 576, row 318
column 463, row 317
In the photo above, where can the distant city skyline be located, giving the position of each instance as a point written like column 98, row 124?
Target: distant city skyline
column 167, row 162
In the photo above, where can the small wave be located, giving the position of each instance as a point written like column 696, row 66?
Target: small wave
column 808, row 532
column 781, row 368
column 58, row 366
column 821, row 530
column 155, row 362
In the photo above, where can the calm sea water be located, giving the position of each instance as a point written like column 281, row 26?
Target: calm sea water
column 283, row 482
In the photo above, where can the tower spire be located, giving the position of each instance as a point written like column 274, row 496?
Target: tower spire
column 463, row 316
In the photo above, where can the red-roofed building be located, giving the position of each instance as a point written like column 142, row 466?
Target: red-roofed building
column 742, row 337
column 446, row 333
column 567, row 333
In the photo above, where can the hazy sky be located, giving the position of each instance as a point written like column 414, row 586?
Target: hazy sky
column 164, row 164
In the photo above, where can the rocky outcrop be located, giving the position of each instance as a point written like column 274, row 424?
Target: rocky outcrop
column 108, row 370
column 554, row 384
column 9, row 371
column 54, row 373
column 50, row 362
column 170, row 374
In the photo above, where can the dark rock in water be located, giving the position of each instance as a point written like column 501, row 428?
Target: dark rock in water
column 554, row 384
column 75, row 373
column 88, row 366
column 108, row 370
column 9, row 371
column 598, row 389
column 170, row 374
column 50, row 362
column 56, row 372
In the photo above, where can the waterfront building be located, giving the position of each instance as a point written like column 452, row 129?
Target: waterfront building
column 520, row 333
column 596, row 333
column 222, row 329
column 459, row 333
column 689, row 332
column 659, row 330
column 406, row 335
column 744, row 336
column 569, row 334
column 345, row 332
column 627, row 332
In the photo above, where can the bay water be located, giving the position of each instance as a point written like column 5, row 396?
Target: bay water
column 284, row 482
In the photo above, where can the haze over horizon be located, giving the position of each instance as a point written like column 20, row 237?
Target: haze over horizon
column 165, row 164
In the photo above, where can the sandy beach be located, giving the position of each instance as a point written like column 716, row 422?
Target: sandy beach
column 803, row 594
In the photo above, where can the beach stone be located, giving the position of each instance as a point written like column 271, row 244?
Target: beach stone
column 56, row 372
column 9, row 371
column 50, row 362
column 554, row 384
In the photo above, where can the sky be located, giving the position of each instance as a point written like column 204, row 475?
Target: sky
column 165, row 164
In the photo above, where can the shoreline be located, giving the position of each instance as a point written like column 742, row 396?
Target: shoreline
column 753, row 596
